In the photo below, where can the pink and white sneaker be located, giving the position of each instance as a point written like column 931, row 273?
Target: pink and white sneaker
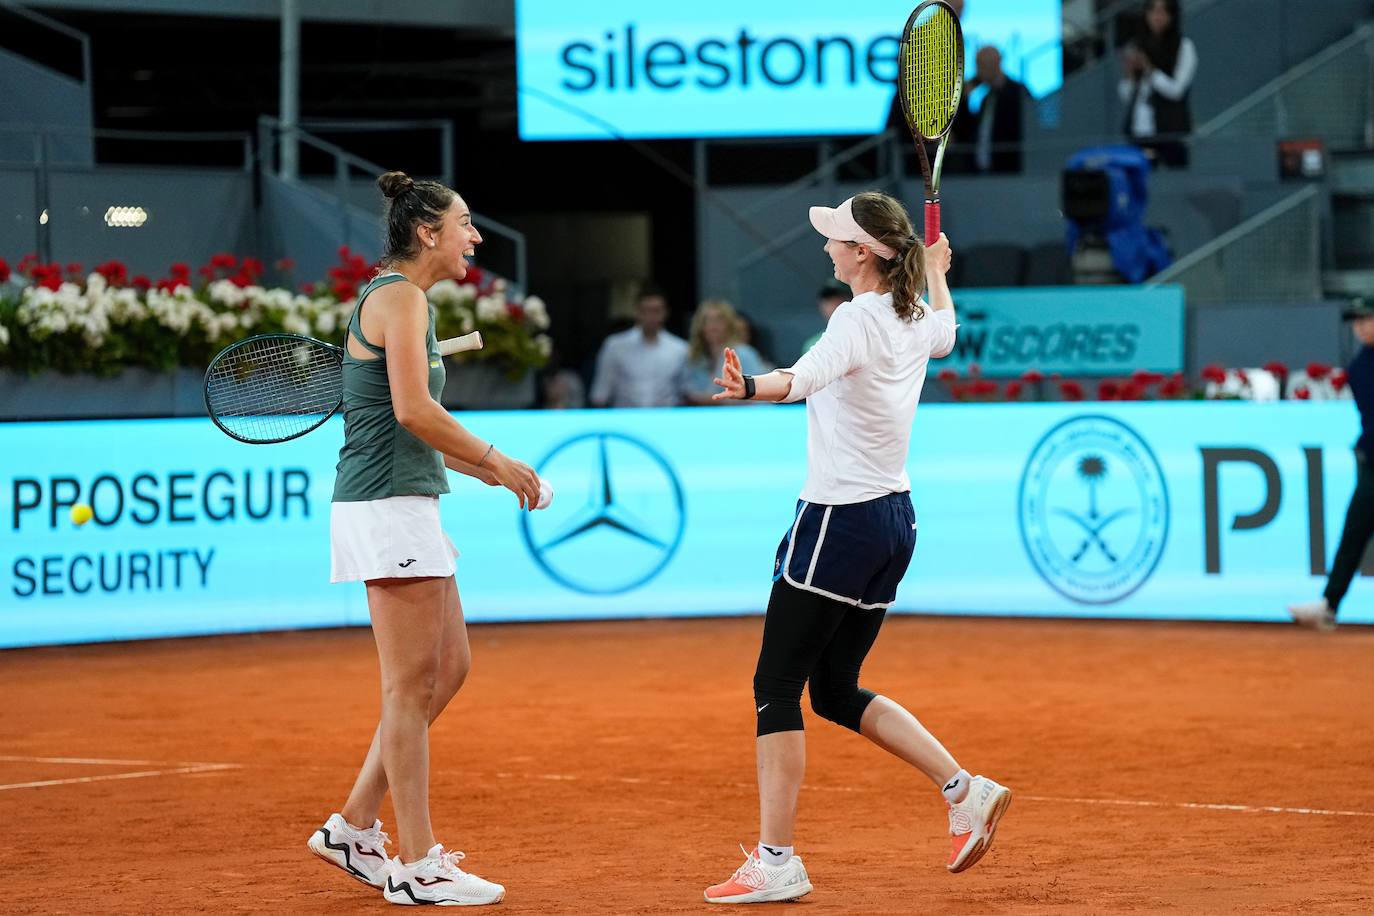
column 360, row 853
column 973, row 821
column 758, row 882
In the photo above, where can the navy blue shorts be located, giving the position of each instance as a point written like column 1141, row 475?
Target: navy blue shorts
column 856, row 553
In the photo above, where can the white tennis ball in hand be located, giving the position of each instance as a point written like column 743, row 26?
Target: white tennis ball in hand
column 545, row 494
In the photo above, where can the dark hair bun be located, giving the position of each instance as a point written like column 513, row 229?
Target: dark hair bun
column 394, row 184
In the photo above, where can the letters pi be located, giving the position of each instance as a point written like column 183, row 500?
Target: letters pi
column 1214, row 460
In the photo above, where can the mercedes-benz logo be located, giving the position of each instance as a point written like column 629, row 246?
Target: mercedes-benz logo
column 617, row 519
column 1094, row 509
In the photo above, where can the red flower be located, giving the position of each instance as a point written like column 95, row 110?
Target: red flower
column 241, row 279
column 4, row 271
column 1243, row 376
column 948, row 376
column 1302, row 394
column 1133, row 391
column 50, row 281
column 180, row 269
column 1108, row 390
column 1013, row 390
column 74, row 269
column 1318, row 371
column 141, row 282
column 1174, row 387
column 1145, row 377
column 26, row 263
column 308, row 288
column 1071, row 390
column 1277, row 368
column 1032, row 376
column 984, row 386
column 207, row 272
column 115, row 273
column 345, row 290
column 252, row 267
column 225, row 260
column 285, row 264
column 1214, row 374
column 344, row 251
column 1339, row 379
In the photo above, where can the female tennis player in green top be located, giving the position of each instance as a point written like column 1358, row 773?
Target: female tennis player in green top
column 384, row 531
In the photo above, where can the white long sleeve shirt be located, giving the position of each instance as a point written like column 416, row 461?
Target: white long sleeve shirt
column 862, row 382
column 1171, row 87
column 633, row 371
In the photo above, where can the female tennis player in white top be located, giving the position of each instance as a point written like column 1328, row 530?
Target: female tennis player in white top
column 838, row 567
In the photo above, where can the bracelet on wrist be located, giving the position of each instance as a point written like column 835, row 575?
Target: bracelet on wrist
column 487, row 455
column 749, row 389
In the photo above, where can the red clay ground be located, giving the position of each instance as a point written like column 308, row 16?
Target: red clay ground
column 608, row 767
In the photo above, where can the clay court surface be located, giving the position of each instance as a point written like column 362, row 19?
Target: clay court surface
column 608, row 768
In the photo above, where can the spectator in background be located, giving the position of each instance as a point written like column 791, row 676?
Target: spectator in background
column 1158, row 70
column 715, row 326
column 641, row 367
column 994, row 133
column 1359, row 518
column 832, row 295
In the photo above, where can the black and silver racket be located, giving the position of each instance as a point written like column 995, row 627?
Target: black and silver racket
column 276, row 387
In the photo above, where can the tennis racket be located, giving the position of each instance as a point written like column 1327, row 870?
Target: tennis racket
column 930, row 80
column 277, row 387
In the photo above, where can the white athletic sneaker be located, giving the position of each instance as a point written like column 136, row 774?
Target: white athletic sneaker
column 361, row 853
column 437, row 880
column 973, row 821
column 1315, row 614
column 758, row 882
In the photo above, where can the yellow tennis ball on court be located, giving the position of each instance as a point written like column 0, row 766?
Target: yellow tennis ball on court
column 81, row 514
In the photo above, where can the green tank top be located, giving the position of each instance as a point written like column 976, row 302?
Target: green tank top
column 380, row 457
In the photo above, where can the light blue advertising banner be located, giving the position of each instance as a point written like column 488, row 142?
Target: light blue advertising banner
column 1074, row 330
column 1217, row 511
column 720, row 68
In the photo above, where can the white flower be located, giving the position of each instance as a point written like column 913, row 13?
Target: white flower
column 295, row 324
column 224, row 292
column 4, row 336
column 95, row 284
column 545, row 344
column 490, row 308
column 326, row 323
column 537, row 312
column 465, row 323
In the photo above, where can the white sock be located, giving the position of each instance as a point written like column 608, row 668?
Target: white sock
column 956, row 790
column 774, row 855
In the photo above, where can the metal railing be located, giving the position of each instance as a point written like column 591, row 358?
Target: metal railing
column 38, row 19
column 1274, row 256
column 346, row 167
column 1330, row 96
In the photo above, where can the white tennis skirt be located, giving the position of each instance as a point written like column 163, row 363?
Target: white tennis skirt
column 393, row 538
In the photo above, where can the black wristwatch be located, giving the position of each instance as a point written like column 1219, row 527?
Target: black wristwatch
column 748, row 387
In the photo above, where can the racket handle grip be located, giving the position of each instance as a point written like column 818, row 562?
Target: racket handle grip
column 932, row 222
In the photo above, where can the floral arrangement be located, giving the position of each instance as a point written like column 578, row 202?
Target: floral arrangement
column 1272, row 382
column 63, row 318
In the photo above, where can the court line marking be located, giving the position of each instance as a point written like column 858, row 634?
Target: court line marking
column 202, row 768
column 1202, row 806
column 1117, row 802
column 105, row 761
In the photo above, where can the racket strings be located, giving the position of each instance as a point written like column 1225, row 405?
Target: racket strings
column 931, row 71
column 274, row 389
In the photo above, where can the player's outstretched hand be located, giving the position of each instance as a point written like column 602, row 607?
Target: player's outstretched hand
column 732, row 378
column 517, row 477
column 939, row 256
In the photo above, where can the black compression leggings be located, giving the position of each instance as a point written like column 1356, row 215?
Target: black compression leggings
column 811, row 637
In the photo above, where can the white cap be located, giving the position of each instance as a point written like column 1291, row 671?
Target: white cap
column 838, row 223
